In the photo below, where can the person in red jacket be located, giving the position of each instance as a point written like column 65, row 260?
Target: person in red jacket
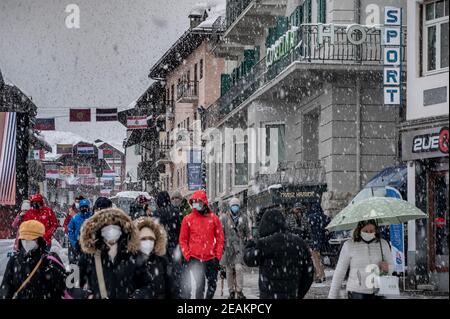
column 43, row 214
column 201, row 242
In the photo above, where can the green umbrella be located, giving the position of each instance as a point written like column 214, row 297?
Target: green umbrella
column 385, row 210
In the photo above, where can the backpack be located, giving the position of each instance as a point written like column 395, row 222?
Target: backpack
column 66, row 295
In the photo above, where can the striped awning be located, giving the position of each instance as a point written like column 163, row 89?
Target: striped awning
column 7, row 158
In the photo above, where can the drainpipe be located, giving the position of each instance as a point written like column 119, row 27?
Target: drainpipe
column 357, row 6
column 358, row 133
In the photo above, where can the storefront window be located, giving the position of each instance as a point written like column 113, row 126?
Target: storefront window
column 436, row 35
column 438, row 221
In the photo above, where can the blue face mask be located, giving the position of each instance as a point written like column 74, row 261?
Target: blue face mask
column 197, row 206
column 235, row 209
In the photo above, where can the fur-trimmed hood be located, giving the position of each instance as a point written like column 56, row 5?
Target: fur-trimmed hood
column 90, row 231
column 160, row 233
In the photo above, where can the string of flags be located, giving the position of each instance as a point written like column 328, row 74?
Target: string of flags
column 101, row 115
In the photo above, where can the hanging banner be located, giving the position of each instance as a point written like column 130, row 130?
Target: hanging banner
column 106, row 115
column 64, row 149
column 397, row 237
column 85, row 149
column 109, row 173
column 67, row 170
column 47, row 124
column 52, row 173
column 137, row 122
column 8, row 132
column 80, row 115
column 84, row 170
column 107, row 153
column 89, row 180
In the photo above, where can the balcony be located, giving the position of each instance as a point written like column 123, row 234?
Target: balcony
column 187, row 92
column 329, row 55
column 247, row 19
column 163, row 155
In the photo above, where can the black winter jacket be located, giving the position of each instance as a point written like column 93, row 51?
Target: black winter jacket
column 285, row 266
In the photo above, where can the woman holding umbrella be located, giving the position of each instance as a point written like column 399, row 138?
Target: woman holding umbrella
column 365, row 253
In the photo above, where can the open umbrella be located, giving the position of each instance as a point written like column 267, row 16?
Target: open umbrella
column 384, row 210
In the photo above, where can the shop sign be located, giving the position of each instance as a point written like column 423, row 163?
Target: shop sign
column 392, row 55
column 427, row 143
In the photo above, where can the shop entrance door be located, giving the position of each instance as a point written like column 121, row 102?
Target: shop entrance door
column 438, row 221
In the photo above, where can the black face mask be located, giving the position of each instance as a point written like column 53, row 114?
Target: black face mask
column 35, row 205
column 84, row 209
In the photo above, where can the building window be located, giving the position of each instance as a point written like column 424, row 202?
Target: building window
column 321, row 11
column 187, row 123
column 311, row 136
column 280, row 144
column 201, row 69
column 436, row 35
column 178, row 178
column 240, row 164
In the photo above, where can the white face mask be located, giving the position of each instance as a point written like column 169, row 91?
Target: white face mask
column 111, row 233
column 29, row 245
column 146, row 246
column 367, row 236
column 197, row 206
column 77, row 205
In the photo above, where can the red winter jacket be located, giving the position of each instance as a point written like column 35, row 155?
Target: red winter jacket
column 201, row 236
column 46, row 216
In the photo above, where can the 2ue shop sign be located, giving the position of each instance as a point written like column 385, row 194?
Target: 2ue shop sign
column 392, row 53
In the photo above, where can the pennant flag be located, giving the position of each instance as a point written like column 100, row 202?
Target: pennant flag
column 64, row 148
column 106, row 115
column 66, row 170
column 84, row 170
column 41, row 155
column 85, row 149
column 137, row 122
column 80, row 115
column 52, row 173
column 47, row 124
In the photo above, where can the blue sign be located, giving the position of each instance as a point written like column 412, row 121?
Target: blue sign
column 194, row 176
column 397, row 237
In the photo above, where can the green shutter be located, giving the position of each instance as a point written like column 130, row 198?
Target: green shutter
column 307, row 11
column 225, row 83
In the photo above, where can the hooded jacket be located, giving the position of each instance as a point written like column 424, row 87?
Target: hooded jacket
column 285, row 266
column 201, row 235
column 46, row 216
column 123, row 277
column 47, row 283
column 155, row 265
column 236, row 236
column 74, row 227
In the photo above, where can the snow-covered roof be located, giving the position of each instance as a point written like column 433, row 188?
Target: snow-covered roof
column 59, row 137
column 215, row 9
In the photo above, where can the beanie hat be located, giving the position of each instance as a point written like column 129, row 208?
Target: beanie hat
column 235, row 201
column 102, row 203
column 31, row 230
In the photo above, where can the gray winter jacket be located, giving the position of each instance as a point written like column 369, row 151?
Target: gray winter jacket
column 236, row 237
